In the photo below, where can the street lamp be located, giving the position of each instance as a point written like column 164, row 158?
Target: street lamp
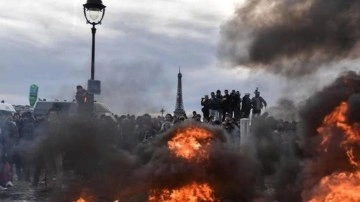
column 94, row 12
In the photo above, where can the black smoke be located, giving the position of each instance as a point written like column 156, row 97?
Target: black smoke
column 323, row 102
column 289, row 37
column 98, row 168
column 93, row 164
column 354, row 108
column 277, row 153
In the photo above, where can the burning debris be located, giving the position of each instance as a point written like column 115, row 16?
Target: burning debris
column 338, row 187
column 332, row 172
column 198, row 165
column 191, row 144
column 194, row 192
column 342, row 185
column 292, row 38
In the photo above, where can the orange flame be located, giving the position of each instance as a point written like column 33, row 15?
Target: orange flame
column 337, row 119
column 191, row 144
column 342, row 186
column 81, row 200
column 194, row 192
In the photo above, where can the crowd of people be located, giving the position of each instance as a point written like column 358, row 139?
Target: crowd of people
column 19, row 131
column 218, row 106
column 15, row 130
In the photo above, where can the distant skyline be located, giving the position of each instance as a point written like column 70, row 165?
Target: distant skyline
column 139, row 48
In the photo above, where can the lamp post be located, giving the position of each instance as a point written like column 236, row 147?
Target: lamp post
column 94, row 12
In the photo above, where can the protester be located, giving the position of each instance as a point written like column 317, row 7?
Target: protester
column 167, row 124
column 26, row 128
column 232, row 103
column 232, row 129
column 81, row 98
column 219, row 97
column 51, row 161
column 214, row 107
column 257, row 103
column 5, row 173
column 225, row 104
column 206, row 103
column 9, row 138
column 194, row 114
column 236, row 106
column 197, row 118
column 246, row 106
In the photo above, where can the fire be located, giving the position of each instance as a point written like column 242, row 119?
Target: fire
column 337, row 119
column 342, row 186
column 191, row 144
column 81, row 200
column 339, row 187
column 194, row 192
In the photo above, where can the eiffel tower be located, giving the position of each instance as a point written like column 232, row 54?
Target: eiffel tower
column 179, row 107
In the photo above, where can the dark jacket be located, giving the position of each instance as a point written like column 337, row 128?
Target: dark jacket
column 237, row 101
column 206, row 104
column 233, row 101
column 258, row 103
column 246, row 103
column 215, row 103
column 225, row 102
column 9, row 136
column 26, row 128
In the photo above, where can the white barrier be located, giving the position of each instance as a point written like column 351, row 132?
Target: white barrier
column 244, row 129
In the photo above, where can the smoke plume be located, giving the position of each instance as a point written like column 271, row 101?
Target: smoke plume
column 98, row 168
column 277, row 154
column 289, row 37
column 323, row 102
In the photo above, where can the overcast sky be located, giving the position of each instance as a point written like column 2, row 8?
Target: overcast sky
column 139, row 47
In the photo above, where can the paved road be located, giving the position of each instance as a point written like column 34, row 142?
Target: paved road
column 23, row 192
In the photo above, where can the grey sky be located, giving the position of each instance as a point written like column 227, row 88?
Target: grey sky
column 139, row 47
